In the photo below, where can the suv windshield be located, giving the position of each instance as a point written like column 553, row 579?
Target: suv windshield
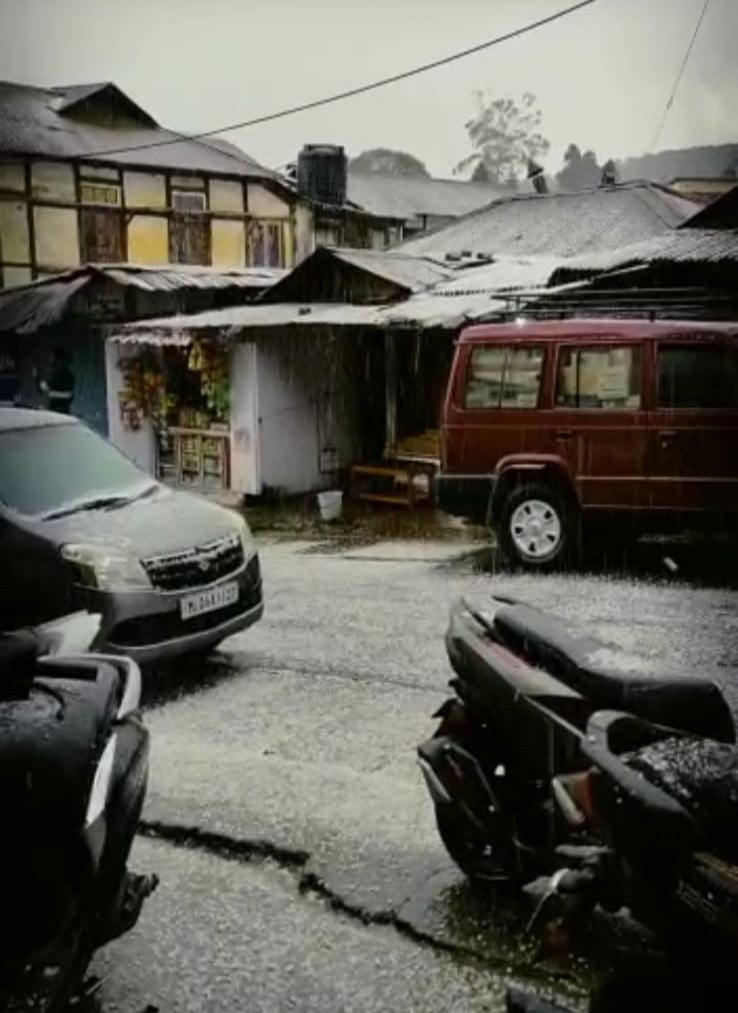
column 56, row 468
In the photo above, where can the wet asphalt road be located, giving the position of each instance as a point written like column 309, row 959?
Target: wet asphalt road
column 299, row 862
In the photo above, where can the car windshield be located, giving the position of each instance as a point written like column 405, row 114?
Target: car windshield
column 63, row 468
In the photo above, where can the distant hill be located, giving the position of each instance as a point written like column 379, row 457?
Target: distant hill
column 663, row 166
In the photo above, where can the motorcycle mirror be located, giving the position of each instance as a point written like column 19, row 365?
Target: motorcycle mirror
column 18, row 654
column 130, row 697
column 71, row 634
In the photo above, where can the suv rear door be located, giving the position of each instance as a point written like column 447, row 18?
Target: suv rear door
column 599, row 420
column 492, row 409
column 693, row 424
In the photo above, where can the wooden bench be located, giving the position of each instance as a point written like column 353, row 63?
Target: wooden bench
column 366, row 477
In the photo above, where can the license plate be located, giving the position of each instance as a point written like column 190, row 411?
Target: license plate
column 208, row 601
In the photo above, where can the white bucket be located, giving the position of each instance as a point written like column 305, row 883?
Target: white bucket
column 330, row 503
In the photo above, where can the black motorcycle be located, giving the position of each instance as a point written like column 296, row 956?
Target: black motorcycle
column 557, row 761
column 73, row 772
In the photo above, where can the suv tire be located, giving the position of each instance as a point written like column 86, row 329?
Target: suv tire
column 536, row 526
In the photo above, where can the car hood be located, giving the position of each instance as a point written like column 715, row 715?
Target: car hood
column 157, row 523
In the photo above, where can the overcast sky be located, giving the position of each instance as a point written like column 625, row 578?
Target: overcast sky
column 602, row 75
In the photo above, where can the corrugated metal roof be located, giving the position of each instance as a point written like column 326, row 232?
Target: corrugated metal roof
column 502, row 274
column 432, row 309
column 423, row 310
column 32, row 122
column 234, row 319
column 680, row 246
column 411, row 272
column 463, row 294
column 559, row 224
column 27, row 308
column 408, row 197
column 170, row 277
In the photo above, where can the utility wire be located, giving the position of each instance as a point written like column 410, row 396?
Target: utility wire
column 685, row 61
column 351, row 92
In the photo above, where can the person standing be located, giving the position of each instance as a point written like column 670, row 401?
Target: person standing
column 59, row 388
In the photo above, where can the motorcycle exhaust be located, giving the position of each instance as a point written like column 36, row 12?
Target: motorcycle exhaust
column 573, row 794
column 433, row 783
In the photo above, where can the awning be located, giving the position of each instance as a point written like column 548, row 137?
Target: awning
column 25, row 309
column 31, row 307
column 147, row 338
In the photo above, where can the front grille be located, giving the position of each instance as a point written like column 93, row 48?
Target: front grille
column 196, row 567
column 162, row 626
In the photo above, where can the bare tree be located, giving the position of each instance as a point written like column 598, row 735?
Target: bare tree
column 505, row 136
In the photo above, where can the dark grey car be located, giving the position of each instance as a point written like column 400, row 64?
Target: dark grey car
column 81, row 526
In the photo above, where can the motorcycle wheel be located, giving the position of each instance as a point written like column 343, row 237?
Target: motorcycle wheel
column 480, row 859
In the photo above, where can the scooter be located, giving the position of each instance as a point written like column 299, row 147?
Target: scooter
column 558, row 766
column 73, row 773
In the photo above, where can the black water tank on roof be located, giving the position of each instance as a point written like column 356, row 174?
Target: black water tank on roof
column 321, row 174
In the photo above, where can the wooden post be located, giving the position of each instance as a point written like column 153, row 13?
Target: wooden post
column 390, row 394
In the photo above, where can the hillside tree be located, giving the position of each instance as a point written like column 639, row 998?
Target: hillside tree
column 580, row 171
column 390, row 161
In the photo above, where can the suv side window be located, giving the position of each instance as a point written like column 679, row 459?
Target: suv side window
column 604, row 377
column 502, row 376
column 698, row 376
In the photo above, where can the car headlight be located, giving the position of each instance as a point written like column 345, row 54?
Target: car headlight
column 106, row 569
column 244, row 533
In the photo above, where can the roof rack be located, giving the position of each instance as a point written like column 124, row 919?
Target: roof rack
column 651, row 304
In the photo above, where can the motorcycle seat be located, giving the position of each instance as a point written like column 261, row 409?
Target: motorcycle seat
column 610, row 680
column 703, row 777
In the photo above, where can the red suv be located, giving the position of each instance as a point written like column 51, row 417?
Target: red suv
column 547, row 422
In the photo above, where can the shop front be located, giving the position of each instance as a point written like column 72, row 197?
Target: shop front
column 173, row 412
column 216, row 402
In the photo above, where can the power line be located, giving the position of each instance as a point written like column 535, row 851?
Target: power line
column 685, row 61
column 351, row 92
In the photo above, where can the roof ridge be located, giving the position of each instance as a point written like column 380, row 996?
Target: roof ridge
column 86, row 84
column 5, row 82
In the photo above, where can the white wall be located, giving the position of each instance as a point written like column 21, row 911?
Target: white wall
column 265, row 204
column 288, row 421
column 304, row 231
column 138, row 444
column 307, row 409
column 245, row 471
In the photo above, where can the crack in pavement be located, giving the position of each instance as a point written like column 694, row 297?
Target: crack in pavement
column 240, row 663
column 309, row 883
column 222, row 845
column 268, row 663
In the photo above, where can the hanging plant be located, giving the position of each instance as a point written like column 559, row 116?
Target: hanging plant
column 210, row 360
column 144, row 393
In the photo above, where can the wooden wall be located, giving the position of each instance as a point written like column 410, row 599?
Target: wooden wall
column 55, row 215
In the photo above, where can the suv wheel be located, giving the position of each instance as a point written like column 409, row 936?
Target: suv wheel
column 536, row 526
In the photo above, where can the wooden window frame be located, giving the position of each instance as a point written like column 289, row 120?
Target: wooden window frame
column 265, row 224
column 178, row 192
column 512, row 347
column 637, row 363
column 100, row 185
